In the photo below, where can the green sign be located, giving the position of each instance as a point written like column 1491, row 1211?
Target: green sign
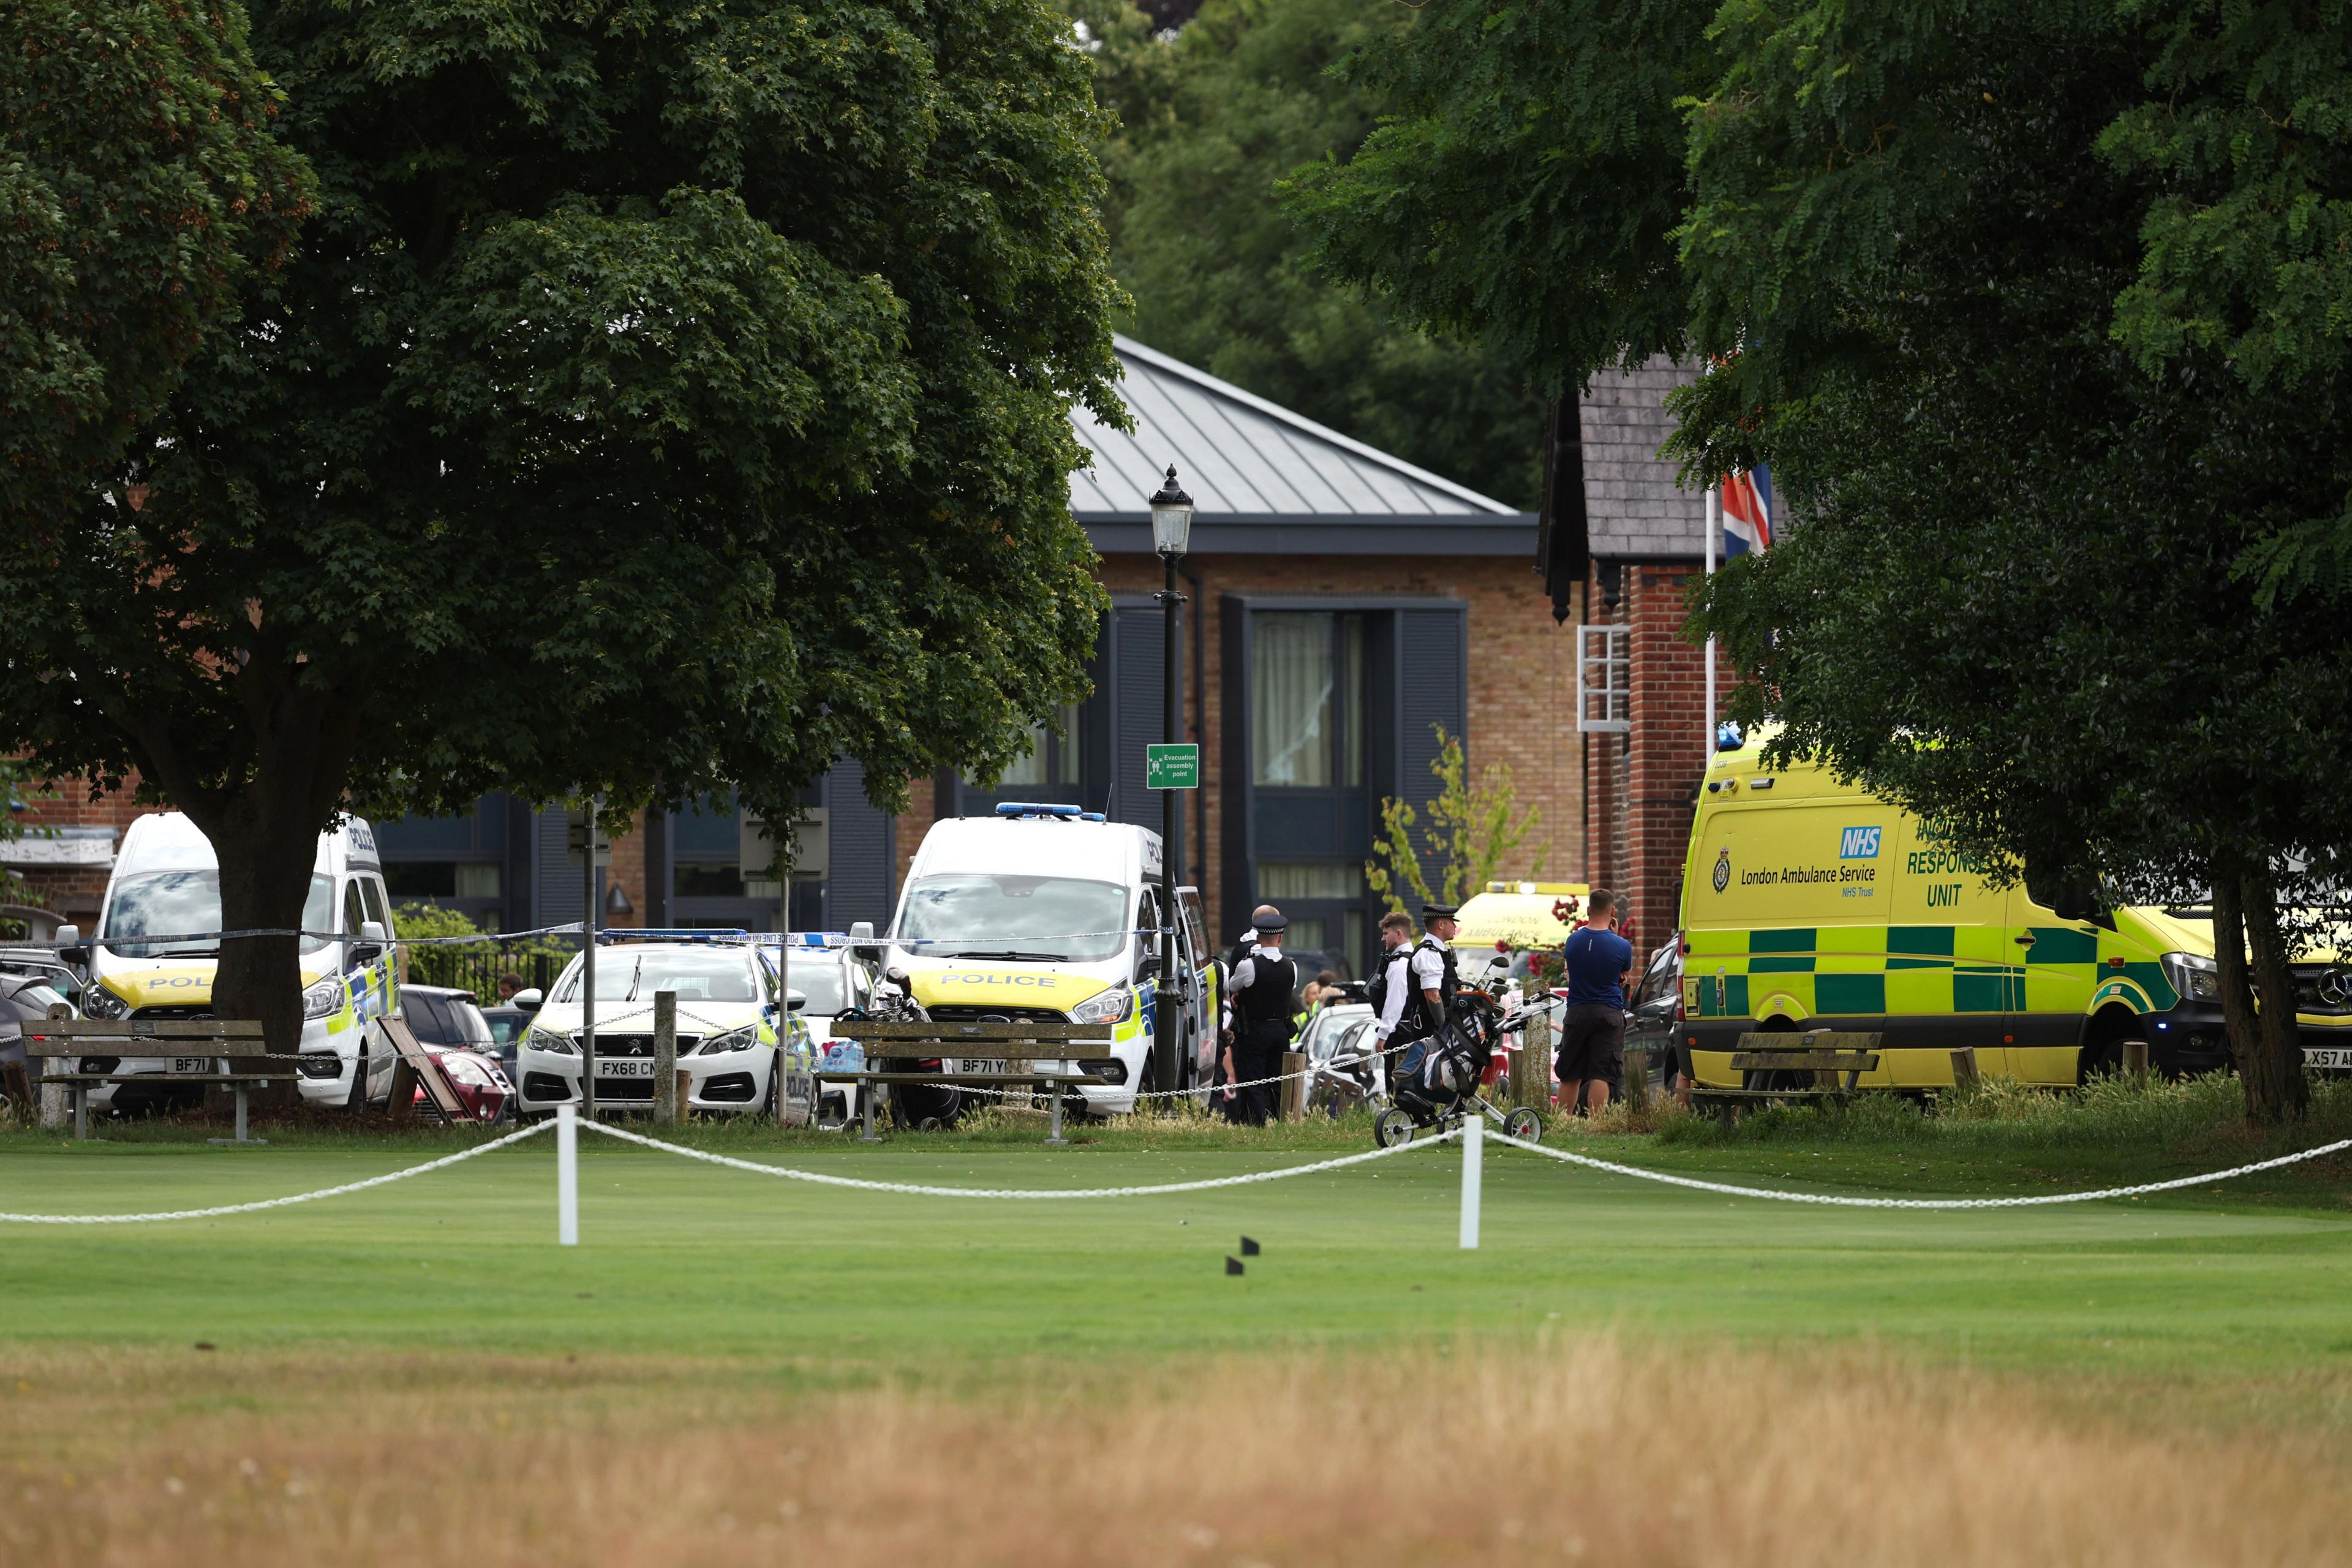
column 1171, row 767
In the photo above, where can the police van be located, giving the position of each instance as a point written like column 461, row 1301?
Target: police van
column 166, row 882
column 1049, row 913
column 1812, row 904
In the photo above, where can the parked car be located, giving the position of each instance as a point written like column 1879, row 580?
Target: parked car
column 448, row 1024
column 22, row 999
column 45, row 965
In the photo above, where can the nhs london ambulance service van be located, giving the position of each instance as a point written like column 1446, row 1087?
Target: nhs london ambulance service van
column 1046, row 913
column 1811, row 904
column 166, row 881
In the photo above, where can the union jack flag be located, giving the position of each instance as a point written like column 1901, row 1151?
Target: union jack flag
column 1747, row 512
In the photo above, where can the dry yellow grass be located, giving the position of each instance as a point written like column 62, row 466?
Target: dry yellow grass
column 1601, row 1450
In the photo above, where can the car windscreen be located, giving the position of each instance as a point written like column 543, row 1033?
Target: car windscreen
column 1044, row 919
column 627, row 975
column 173, row 903
column 823, row 984
column 467, row 1025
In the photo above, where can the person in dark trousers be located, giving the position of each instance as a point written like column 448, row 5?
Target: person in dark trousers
column 1258, row 1019
column 1226, row 1098
column 1592, row 1036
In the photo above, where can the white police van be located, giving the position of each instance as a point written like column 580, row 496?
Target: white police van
column 1049, row 913
column 166, row 882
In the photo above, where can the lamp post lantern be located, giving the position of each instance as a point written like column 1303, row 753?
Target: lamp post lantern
column 1172, row 531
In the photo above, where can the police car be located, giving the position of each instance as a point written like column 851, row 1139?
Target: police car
column 728, row 1030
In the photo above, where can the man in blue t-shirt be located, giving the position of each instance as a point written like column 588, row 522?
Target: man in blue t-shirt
column 1592, row 1036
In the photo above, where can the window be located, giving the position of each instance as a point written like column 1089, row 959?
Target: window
column 442, row 878
column 1604, row 694
column 706, row 880
column 1312, row 879
column 973, row 914
column 1308, row 681
column 354, row 911
column 1052, row 760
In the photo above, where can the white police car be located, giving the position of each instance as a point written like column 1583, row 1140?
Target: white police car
column 727, row 1023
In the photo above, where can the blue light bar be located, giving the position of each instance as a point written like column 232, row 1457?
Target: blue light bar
column 1036, row 809
column 813, row 939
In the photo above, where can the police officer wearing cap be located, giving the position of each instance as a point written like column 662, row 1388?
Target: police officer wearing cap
column 1415, row 1012
column 1258, row 1016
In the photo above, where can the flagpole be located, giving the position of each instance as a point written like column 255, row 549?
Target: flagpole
column 1714, row 517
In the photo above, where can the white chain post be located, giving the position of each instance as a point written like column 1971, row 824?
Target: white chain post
column 567, row 1175
column 1474, row 1144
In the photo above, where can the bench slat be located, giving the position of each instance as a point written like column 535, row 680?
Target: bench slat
column 150, row 1048
column 154, row 1028
column 1810, row 1092
column 988, row 1078
column 1827, row 1061
column 1812, row 1040
column 272, row 1076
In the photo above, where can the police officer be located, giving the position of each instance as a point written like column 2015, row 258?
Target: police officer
column 1420, row 982
column 1257, row 1020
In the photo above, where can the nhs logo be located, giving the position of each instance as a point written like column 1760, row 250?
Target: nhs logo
column 1858, row 844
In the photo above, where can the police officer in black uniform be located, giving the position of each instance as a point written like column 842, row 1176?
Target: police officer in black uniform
column 1420, row 986
column 1262, row 995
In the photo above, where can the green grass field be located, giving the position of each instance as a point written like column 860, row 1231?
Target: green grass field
column 681, row 1258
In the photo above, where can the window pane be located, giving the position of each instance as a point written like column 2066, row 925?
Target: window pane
column 1068, row 750
column 478, row 879
column 1031, row 769
column 1292, row 686
column 1351, row 642
column 1310, row 879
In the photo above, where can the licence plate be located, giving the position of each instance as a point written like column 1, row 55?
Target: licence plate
column 2338, row 1057
column 626, row 1066
column 976, row 1064
column 191, row 1065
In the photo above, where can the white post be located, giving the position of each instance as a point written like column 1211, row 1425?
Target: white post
column 1714, row 521
column 1474, row 1146
column 567, row 1175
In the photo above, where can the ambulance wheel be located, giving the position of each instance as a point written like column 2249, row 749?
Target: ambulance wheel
column 1777, row 1077
column 1525, row 1125
column 1392, row 1127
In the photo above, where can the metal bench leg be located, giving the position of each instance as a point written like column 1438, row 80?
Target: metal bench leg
column 1054, row 1093
column 240, row 1113
column 865, row 1110
column 81, row 1113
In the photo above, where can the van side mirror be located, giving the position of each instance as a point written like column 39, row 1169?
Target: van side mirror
column 70, row 949
column 861, row 943
column 796, row 1000
column 531, row 999
column 1149, row 969
column 371, row 942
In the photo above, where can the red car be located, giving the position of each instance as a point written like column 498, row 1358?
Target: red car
column 450, row 1026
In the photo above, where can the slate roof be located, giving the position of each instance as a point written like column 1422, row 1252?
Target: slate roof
column 1632, row 508
column 1264, row 480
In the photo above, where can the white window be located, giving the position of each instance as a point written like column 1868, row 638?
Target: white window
column 1604, row 692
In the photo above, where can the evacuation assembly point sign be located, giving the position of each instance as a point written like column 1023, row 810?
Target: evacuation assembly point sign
column 1173, row 767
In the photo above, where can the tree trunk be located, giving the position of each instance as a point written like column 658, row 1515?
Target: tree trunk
column 2277, row 1090
column 2238, row 1012
column 265, row 858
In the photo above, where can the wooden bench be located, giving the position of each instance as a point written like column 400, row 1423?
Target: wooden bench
column 1834, row 1060
column 1020, row 1045
column 194, row 1050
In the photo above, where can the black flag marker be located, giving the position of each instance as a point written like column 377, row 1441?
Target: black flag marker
column 1249, row 1247
column 1232, row 1265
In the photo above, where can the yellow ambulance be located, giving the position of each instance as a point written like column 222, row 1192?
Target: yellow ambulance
column 1809, row 904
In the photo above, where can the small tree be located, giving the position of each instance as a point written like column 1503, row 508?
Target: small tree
column 1471, row 831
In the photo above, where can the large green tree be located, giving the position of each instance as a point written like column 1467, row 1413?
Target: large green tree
column 660, row 400
column 140, row 187
column 2010, row 600
column 1212, row 122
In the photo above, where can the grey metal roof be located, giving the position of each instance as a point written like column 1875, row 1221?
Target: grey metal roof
column 1633, row 510
column 1262, row 478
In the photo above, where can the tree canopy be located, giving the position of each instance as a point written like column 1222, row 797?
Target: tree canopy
column 2029, row 309
column 657, row 401
column 1211, row 121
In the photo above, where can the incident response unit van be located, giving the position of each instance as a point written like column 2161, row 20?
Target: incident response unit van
column 1046, row 913
column 1811, row 904
column 166, row 882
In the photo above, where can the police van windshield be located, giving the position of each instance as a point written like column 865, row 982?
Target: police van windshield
column 707, row 975
column 1039, row 920
column 174, row 903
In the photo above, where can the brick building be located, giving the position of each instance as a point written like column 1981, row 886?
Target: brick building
column 1619, row 551
column 1343, row 605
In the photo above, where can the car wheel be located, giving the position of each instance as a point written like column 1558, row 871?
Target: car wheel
column 357, row 1099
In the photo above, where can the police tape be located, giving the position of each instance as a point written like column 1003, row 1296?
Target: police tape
column 572, row 928
column 1838, row 1201
column 443, row 1163
column 1022, row 1195
column 165, row 939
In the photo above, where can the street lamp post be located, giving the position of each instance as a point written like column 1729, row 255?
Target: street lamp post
column 1171, row 531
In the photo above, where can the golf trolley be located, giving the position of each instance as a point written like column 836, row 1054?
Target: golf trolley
column 1434, row 1083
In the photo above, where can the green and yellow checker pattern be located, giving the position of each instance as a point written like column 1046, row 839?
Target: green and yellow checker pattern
column 1914, row 982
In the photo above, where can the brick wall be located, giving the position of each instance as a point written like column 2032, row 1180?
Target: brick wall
column 1521, row 679
column 74, row 891
column 1641, row 786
